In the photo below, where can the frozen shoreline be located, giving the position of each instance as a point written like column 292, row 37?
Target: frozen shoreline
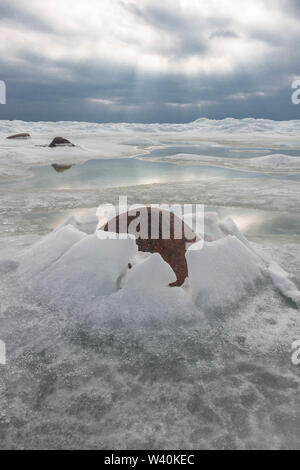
column 116, row 140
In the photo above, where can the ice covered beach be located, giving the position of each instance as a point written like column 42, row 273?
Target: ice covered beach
column 100, row 356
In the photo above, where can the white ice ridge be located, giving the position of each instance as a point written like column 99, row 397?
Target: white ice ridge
column 207, row 127
column 215, row 229
column 272, row 163
column 222, row 272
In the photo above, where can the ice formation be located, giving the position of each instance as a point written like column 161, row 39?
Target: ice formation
column 149, row 274
column 88, row 270
column 72, row 267
column 48, row 250
column 223, row 272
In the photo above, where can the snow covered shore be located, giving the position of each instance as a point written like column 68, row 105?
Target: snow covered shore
column 123, row 139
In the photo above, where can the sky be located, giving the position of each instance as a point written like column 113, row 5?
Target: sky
column 149, row 60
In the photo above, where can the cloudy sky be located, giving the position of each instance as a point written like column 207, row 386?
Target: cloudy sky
column 149, row 60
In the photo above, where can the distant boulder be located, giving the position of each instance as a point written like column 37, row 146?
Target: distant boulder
column 23, row 135
column 172, row 249
column 61, row 142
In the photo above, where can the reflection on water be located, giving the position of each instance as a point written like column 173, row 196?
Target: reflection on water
column 216, row 150
column 60, row 168
column 120, row 172
column 252, row 222
column 125, row 172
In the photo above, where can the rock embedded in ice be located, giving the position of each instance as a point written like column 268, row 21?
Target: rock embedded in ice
column 222, row 272
column 90, row 269
column 48, row 250
column 23, row 135
column 171, row 239
column 149, row 274
column 61, row 142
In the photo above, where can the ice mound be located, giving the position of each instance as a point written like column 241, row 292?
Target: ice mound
column 149, row 274
column 48, row 250
column 90, row 269
column 73, row 267
column 222, row 272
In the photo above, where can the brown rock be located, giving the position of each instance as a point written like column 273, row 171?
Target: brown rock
column 23, row 135
column 171, row 249
column 60, row 141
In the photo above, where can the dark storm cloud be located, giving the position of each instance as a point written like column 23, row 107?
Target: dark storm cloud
column 184, row 29
column 292, row 6
column 96, row 88
column 21, row 16
column 187, row 30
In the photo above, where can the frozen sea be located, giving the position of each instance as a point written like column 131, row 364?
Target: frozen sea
column 153, row 368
